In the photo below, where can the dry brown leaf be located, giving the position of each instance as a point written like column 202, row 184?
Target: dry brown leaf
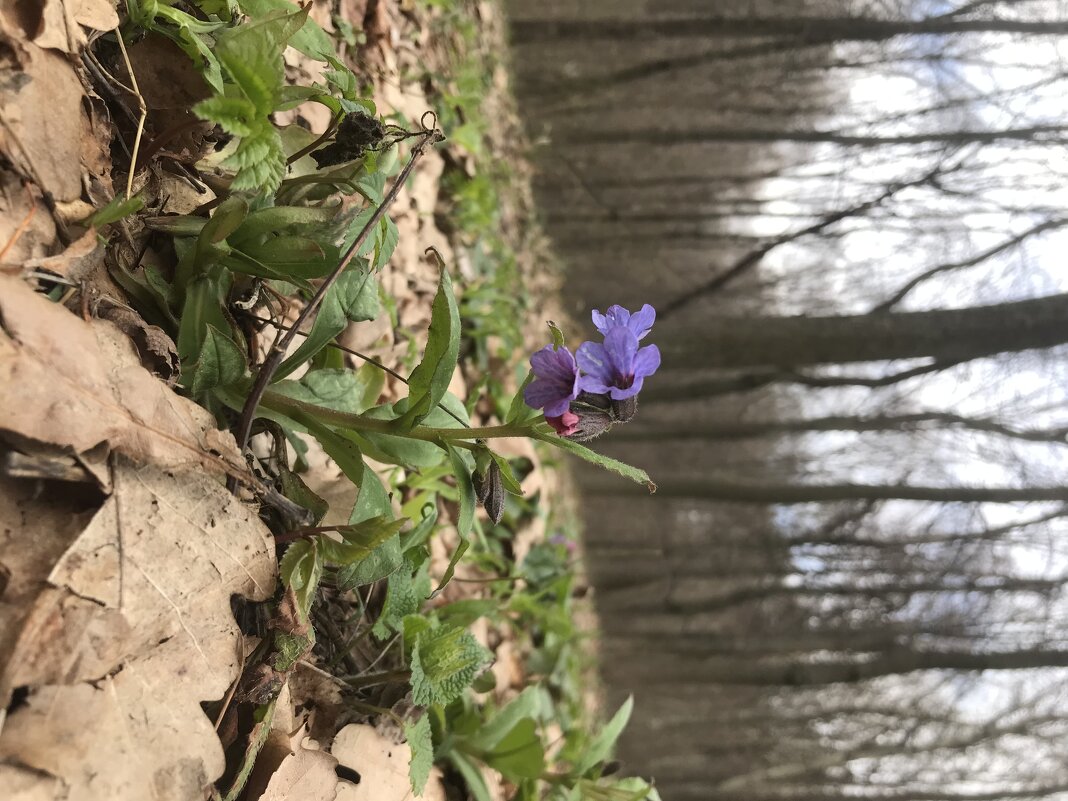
column 307, row 775
column 382, row 765
column 132, row 632
column 61, row 21
column 42, row 123
column 68, row 382
column 27, row 230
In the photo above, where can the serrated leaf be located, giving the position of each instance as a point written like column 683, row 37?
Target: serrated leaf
column 601, row 746
column 236, row 115
column 219, row 364
column 622, row 468
column 258, row 159
column 421, row 743
column 411, row 627
column 289, row 566
column 406, row 590
column 445, row 661
column 430, row 379
column 353, row 297
column 519, row 754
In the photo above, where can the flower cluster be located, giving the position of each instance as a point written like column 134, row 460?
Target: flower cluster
column 583, row 394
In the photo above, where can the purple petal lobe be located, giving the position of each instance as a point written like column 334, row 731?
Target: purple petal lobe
column 621, row 344
column 557, row 407
column 594, row 360
column 600, row 322
column 593, row 385
column 646, row 361
column 641, row 322
column 540, row 392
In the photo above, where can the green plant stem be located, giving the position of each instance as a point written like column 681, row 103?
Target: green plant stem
column 358, row 422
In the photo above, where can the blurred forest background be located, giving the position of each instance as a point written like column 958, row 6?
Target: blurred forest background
column 851, row 219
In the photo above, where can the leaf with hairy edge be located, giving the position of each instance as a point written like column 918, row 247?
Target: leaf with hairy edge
column 354, row 297
column 422, row 760
column 445, row 660
column 430, row 379
column 622, row 468
column 219, row 364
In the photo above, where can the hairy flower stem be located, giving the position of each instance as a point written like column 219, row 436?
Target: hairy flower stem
column 359, row 422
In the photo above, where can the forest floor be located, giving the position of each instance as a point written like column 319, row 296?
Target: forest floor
column 124, row 560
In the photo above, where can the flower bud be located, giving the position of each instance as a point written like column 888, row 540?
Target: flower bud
column 490, row 491
column 592, row 422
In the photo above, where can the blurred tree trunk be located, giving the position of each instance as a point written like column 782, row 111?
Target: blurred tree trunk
column 950, row 335
column 804, row 30
column 712, row 489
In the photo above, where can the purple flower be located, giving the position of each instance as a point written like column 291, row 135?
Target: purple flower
column 555, row 383
column 639, row 323
column 618, row 367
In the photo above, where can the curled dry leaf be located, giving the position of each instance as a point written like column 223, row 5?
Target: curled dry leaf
column 129, row 633
column 77, row 384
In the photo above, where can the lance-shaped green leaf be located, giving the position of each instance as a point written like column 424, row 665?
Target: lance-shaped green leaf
column 430, row 379
column 353, row 297
column 295, row 256
column 226, row 219
column 118, row 208
column 622, row 468
column 462, row 472
column 445, row 660
column 219, row 364
column 601, row 746
column 301, row 569
column 204, row 300
column 277, row 219
column 518, row 410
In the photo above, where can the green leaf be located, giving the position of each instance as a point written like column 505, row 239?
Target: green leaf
column 518, row 411
column 295, row 257
column 204, row 300
column 526, row 705
column 118, row 208
column 300, row 569
column 472, row 776
column 342, row 390
column 430, row 379
column 258, row 159
column 466, row 519
column 419, row 740
column 520, row 753
column 421, row 533
column 457, row 555
column 373, row 501
column 406, row 590
column 219, row 364
column 557, row 335
column 445, row 661
column 309, row 39
column 236, row 115
column 601, row 746
column 508, row 479
column 226, row 219
column 360, row 540
column 627, row 471
column 276, row 219
column 353, row 297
